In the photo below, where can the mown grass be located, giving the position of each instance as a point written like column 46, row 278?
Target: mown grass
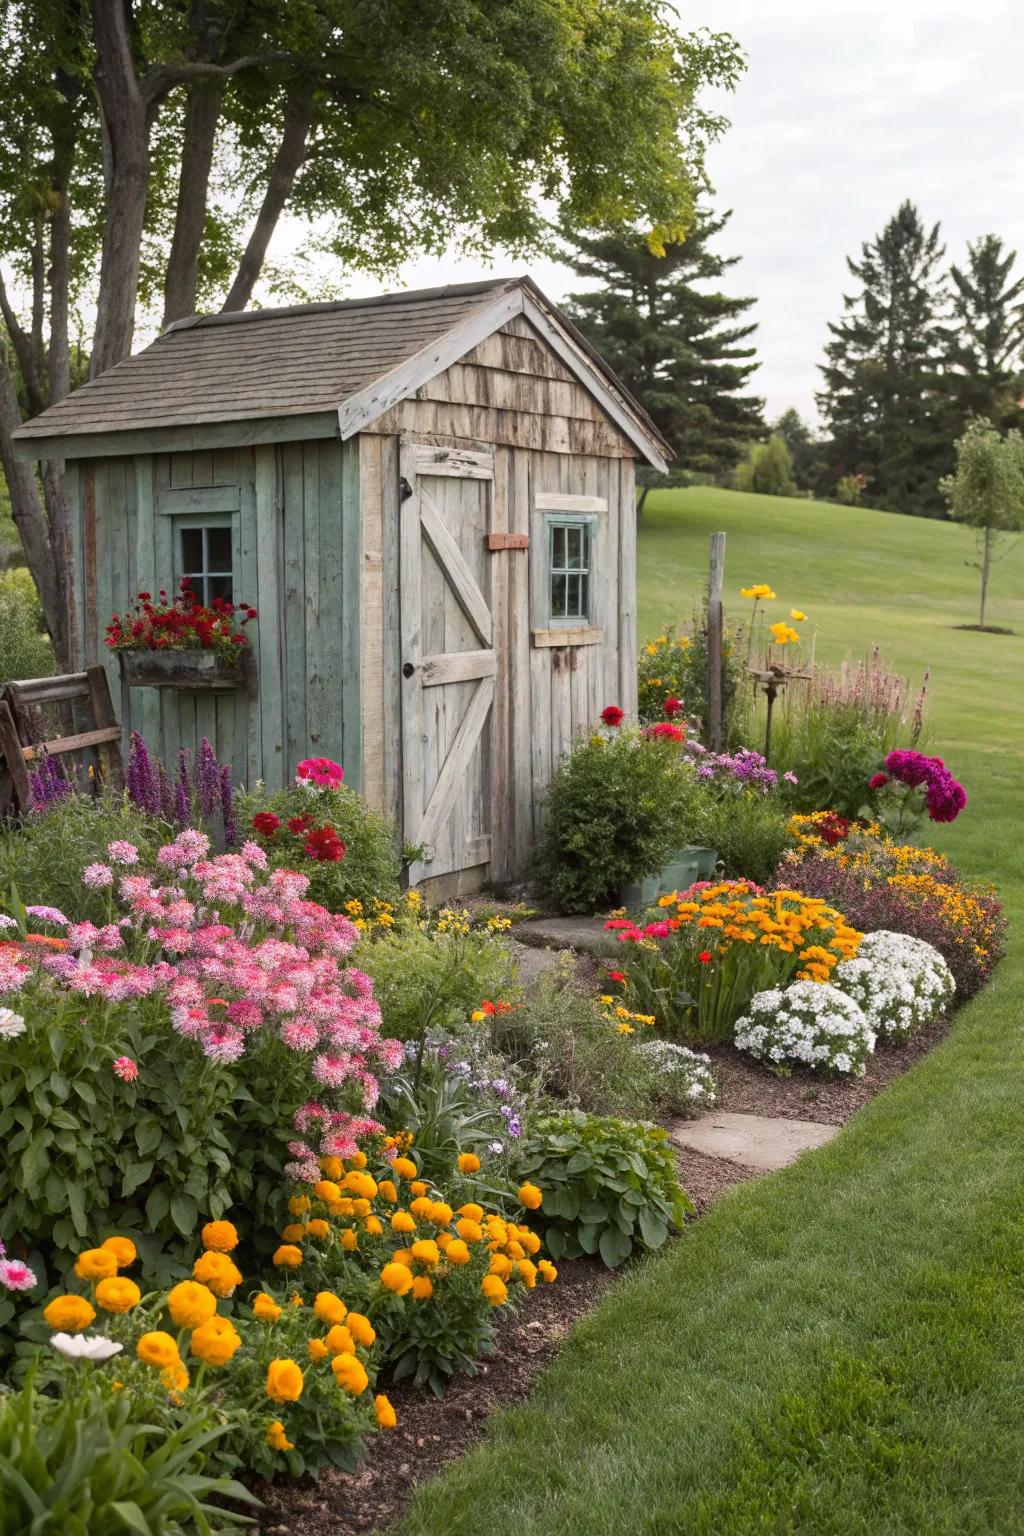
column 838, row 1348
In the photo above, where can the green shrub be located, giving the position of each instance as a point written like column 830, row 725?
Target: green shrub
column 672, row 665
column 371, row 867
column 748, row 830
column 434, row 979
column 617, row 808
column 833, row 752
column 610, row 1186
column 25, row 649
column 44, row 853
column 89, row 1464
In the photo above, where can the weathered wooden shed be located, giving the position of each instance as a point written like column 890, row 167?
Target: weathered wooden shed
column 429, row 498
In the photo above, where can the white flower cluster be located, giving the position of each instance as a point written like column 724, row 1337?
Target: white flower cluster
column 900, row 982
column 809, row 1024
column 686, row 1075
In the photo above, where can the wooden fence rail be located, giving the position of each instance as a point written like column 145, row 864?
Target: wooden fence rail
column 85, row 694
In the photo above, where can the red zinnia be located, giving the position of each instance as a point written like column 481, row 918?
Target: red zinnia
column 667, row 731
column 705, row 957
column 877, row 780
column 266, row 823
column 323, row 843
column 673, row 706
column 616, row 975
column 612, row 715
column 300, row 824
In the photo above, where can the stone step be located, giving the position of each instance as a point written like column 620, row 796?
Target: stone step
column 584, row 934
column 753, row 1141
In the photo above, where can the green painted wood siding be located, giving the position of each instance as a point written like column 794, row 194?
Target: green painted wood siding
column 295, row 517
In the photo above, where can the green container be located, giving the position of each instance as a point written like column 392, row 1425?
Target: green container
column 689, row 864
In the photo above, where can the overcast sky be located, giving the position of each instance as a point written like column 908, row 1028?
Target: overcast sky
column 845, row 110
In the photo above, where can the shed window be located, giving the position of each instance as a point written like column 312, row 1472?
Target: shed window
column 569, row 561
column 206, row 555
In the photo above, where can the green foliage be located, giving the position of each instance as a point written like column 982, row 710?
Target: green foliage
column 445, row 1113
column 675, row 339
column 44, row 853
column 833, row 749
column 434, row 980
column 747, row 830
column 610, row 1186
column 25, row 650
column 988, row 337
column 767, row 469
column 675, row 665
column 371, row 867
column 617, row 808
column 986, row 490
column 86, row 1465
column 850, row 489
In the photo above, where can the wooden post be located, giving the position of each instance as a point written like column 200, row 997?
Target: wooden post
column 716, row 572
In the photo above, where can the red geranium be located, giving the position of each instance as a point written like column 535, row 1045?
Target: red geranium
column 673, row 707
column 616, row 975
column 833, row 829
column 667, row 731
column 705, row 957
column 266, row 823
column 300, row 824
column 612, row 715
column 878, row 780
column 324, row 844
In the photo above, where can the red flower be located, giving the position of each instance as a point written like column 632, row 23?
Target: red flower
column 667, row 731
column 673, row 706
column 488, row 1007
column 833, row 829
column 616, row 975
column 877, row 780
column 300, row 824
column 705, row 957
column 320, row 770
column 324, row 844
column 266, row 823
column 612, row 715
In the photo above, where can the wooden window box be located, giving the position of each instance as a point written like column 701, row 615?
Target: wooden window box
column 191, row 670
column 582, row 634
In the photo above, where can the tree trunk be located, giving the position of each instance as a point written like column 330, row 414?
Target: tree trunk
column 201, row 120
column 287, row 163
column 58, row 361
column 986, row 563
column 22, row 346
column 125, row 127
column 645, row 491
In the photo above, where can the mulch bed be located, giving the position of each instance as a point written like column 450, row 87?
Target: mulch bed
column 432, row 1432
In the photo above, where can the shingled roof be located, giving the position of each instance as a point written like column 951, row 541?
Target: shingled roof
column 302, row 360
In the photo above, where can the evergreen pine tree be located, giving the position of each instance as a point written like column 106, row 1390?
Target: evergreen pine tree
column 886, row 399
column 988, row 337
column 679, row 344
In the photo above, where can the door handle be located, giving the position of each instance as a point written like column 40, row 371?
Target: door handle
column 408, row 669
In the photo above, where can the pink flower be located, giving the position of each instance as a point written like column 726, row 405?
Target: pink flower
column 122, row 852
column 16, row 1276
column 877, row 780
column 320, row 770
column 48, row 915
column 96, row 876
column 126, row 1069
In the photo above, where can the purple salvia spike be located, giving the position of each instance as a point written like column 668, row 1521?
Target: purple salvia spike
column 182, row 794
column 207, row 780
column 227, row 806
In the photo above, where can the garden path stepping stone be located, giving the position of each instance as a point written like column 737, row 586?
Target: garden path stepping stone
column 586, row 934
column 753, row 1141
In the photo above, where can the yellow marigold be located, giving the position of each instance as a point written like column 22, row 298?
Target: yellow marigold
column 157, row 1349
column 500, row 1265
column 294, row 1232
column 215, row 1341
column 69, row 1314
column 362, row 1330
column 287, row 1256
column 265, row 1309
column 405, row 1167
column 339, row 1340
column 295, row 1299
column 395, row 1277
column 386, row 1191
column 421, row 1207
column 217, row 1271
column 422, row 1288
column 327, row 1191
column 349, row 1240
column 457, row 1252
column 317, row 1350
column 469, row 1162
column 373, row 1226
column 117, row 1294
column 426, row 1251
column 441, row 1213
column 530, row 1197
column 473, row 1211
column 472, row 1231
column 284, row 1381
column 547, row 1271
column 277, row 1439
column 220, row 1236
column 515, row 1248
column 386, row 1416
column 329, row 1308
column 528, row 1270
column 358, row 1159
column 494, row 1290
column 362, row 1184
column 350, row 1374
column 361, row 1207
column 190, row 1304
column 298, row 1205
column 419, row 1187
column 529, row 1240
column 332, row 1167
column 95, row 1264
column 175, row 1377
column 318, row 1228
column 123, row 1249
column 403, row 1256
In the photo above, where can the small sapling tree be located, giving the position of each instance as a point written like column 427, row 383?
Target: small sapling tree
column 986, row 491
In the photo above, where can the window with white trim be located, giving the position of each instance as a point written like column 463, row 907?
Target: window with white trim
column 570, row 574
column 206, row 556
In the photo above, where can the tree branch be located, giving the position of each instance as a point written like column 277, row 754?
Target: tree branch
column 201, row 118
column 22, row 345
column 291, row 154
column 161, row 78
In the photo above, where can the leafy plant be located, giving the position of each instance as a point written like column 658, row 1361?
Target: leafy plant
column 675, row 665
column 25, row 649
column 748, row 830
column 433, row 978
column 610, row 1186
column 45, row 853
column 617, row 808
column 85, row 1465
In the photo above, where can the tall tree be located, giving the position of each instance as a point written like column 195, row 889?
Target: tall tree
column 886, row 400
column 675, row 339
column 988, row 333
column 149, row 149
column 986, row 491
column 807, row 452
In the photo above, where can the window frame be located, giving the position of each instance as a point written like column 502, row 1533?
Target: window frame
column 201, row 579
column 587, row 523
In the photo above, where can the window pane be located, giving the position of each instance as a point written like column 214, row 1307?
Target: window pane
column 558, row 597
column 584, row 608
column 218, row 548
column 218, row 586
column 574, row 542
column 558, row 548
column 191, row 551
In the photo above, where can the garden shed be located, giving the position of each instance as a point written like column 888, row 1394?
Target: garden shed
column 428, row 496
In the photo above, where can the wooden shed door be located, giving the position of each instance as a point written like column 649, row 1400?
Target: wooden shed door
column 448, row 660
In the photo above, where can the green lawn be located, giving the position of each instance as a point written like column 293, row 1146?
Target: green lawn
column 838, row 1348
